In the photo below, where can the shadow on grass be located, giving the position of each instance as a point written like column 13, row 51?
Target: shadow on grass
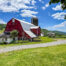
column 20, row 42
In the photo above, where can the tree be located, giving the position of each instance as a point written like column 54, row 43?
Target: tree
column 63, row 2
column 14, row 34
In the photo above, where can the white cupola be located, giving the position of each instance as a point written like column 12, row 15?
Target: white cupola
column 13, row 20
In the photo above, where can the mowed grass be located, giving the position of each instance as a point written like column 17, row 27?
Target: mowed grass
column 26, row 42
column 48, row 56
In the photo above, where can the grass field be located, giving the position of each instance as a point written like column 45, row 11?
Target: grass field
column 26, row 42
column 49, row 56
column 1, row 31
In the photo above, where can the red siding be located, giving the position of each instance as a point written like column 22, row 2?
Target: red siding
column 36, row 31
column 16, row 26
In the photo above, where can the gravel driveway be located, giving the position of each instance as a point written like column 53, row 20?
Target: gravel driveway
column 12, row 48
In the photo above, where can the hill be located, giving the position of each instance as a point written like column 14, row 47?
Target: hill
column 2, row 26
column 58, row 33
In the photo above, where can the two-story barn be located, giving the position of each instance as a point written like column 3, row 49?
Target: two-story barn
column 25, row 29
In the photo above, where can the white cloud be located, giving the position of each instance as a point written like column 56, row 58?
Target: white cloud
column 58, row 27
column 8, row 9
column 58, row 7
column 28, row 13
column 43, row 8
column 41, row 1
column 59, row 16
column 2, row 22
column 16, row 5
column 33, row 2
column 46, row 5
column 63, row 24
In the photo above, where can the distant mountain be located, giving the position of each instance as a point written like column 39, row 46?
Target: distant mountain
column 2, row 26
column 56, row 32
column 60, row 32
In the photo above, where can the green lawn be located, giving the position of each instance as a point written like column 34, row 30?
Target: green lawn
column 61, row 38
column 1, row 31
column 49, row 56
column 26, row 42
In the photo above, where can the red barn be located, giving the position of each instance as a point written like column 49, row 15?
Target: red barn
column 25, row 29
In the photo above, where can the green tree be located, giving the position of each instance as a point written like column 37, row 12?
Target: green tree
column 63, row 2
column 2, row 26
column 14, row 34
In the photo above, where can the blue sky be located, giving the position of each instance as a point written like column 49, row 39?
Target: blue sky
column 50, row 17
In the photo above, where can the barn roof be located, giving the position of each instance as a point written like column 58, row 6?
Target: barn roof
column 25, row 22
column 26, row 25
column 35, row 27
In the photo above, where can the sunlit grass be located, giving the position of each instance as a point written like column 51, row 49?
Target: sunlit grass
column 1, row 31
column 49, row 56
